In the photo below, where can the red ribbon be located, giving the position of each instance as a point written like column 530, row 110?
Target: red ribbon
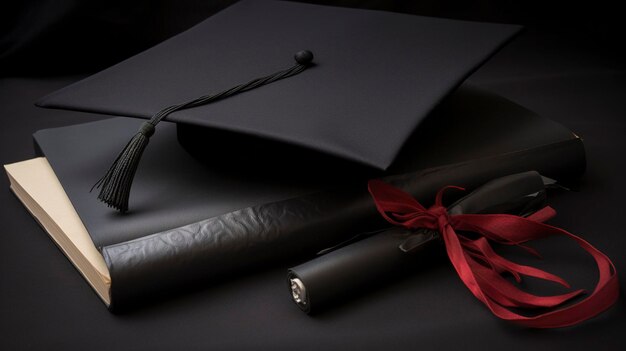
column 480, row 268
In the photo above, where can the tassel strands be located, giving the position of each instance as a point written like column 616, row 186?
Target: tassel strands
column 116, row 183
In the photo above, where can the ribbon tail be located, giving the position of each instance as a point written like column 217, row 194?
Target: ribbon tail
column 602, row 297
column 542, row 215
column 482, row 245
column 506, row 294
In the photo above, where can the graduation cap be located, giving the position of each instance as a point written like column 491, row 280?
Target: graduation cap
column 350, row 83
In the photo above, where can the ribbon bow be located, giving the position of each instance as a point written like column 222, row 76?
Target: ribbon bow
column 480, row 267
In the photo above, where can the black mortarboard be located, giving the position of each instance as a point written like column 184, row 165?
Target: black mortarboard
column 373, row 78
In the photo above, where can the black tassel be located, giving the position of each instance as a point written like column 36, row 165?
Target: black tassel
column 116, row 183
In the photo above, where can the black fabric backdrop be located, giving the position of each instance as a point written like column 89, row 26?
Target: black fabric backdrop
column 568, row 66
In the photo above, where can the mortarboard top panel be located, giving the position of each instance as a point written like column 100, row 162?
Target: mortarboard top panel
column 376, row 75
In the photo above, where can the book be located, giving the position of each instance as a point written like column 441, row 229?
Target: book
column 187, row 229
column 34, row 183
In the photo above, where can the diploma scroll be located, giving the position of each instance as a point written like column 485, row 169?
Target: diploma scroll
column 343, row 272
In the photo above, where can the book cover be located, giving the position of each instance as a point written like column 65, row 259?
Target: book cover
column 187, row 230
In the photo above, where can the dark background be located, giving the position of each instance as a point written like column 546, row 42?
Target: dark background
column 50, row 37
column 568, row 65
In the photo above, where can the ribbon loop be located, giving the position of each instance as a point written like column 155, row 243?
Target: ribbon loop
column 481, row 268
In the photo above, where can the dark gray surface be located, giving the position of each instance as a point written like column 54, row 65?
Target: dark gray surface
column 376, row 75
column 46, row 304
